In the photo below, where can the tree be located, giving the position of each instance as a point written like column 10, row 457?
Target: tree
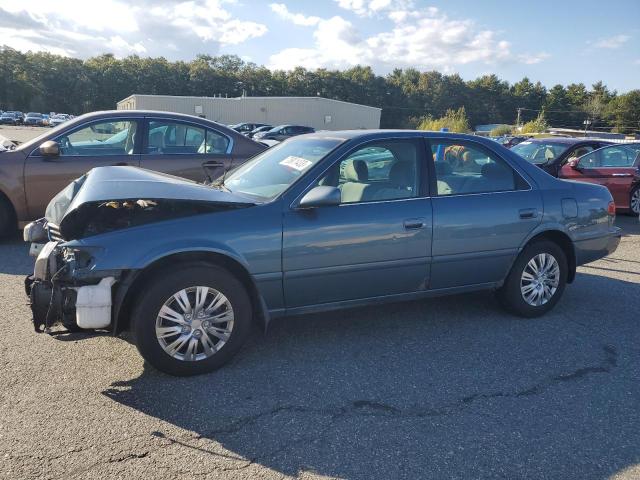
column 453, row 120
column 539, row 125
column 501, row 131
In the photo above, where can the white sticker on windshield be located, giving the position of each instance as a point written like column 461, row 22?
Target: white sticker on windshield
column 298, row 163
column 525, row 143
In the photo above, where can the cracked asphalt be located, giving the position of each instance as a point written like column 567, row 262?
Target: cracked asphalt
column 442, row 388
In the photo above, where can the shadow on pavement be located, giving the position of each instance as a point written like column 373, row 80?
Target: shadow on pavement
column 449, row 387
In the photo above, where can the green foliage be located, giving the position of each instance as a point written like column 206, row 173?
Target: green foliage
column 453, row 120
column 501, row 131
column 538, row 125
column 46, row 82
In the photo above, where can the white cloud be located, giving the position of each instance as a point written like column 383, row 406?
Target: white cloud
column 533, row 58
column 296, row 18
column 424, row 39
column 367, row 8
column 614, row 42
column 176, row 29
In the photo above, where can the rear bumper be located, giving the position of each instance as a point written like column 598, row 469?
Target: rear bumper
column 593, row 249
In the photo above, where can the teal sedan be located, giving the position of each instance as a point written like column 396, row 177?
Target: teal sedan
column 319, row 222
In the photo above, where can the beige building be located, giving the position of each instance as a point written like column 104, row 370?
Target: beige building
column 317, row 112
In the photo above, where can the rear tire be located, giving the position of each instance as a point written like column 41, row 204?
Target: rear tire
column 207, row 341
column 536, row 281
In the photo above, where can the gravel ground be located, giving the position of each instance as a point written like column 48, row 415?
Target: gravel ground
column 444, row 388
column 21, row 133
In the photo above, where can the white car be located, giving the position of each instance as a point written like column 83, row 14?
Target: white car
column 58, row 119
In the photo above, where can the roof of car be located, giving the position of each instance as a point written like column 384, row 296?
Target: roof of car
column 564, row 140
column 387, row 133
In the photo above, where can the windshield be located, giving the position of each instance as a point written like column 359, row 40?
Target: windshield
column 270, row 173
column 539, row 152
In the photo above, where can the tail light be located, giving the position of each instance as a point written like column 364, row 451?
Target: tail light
column 611, row 209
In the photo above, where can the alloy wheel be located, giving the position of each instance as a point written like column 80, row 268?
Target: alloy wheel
column 540, row 279
column 635, row 201
column 194, row 323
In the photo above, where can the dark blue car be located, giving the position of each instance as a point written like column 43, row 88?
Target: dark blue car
column 319, row 222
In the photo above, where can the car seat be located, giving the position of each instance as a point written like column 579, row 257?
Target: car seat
column 356, row 173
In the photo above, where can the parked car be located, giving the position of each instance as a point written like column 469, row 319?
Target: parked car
column 246, row 127
column 552, row 153
column 617, row 167
column 305, row 227
column 34, row 119
column 11, row 118
column 283, row 132
column 509, row 141
column 182, row 145
column 58, row 119
column 264, row 128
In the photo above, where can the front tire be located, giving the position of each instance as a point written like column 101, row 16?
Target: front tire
column 634, row 201
column 191, row 320
column 536, row 281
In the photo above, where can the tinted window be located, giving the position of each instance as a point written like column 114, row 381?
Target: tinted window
column 101, row 138
column 377, row 172
column 539, row 152
column 166, row 137
column 610, row 157
column 465, row 169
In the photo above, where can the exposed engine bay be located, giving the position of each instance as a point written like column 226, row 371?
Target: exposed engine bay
column 94, row 218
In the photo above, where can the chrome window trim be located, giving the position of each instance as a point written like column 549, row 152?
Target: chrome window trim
column 196, row 124
column 632, row 166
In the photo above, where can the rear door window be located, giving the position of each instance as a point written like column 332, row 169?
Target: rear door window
column 170, row 137
column 462, row 168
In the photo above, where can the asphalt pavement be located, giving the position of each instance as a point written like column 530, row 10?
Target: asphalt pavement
column 443, row 388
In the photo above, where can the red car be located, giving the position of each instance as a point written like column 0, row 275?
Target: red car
column 617, row 167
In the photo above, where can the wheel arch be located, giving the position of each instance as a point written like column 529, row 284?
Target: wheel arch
column 133, row 281
column 563, row 240
column 13, row 215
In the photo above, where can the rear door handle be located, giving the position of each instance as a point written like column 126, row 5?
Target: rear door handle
column 528, row 213
column 413, row 223
column 213, row 164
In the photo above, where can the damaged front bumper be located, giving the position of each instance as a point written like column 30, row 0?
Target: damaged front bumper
column 64, row 290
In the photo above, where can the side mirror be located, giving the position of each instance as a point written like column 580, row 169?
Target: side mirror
column 322, row 196
column 49, row 149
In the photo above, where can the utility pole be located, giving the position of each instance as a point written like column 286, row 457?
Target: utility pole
column 587, row 122
column 518, row 119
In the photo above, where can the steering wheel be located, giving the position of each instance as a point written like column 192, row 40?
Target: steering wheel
column 65, row 145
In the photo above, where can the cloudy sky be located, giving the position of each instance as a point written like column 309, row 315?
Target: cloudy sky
column 550, row 41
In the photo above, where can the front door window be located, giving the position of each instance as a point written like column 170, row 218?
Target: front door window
column 102, row 138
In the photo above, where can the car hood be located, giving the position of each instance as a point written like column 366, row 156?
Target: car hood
column 80, row 201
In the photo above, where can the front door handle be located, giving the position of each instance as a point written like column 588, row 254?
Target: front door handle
column 413, row 223
column 620, row 174
column 528, row 213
